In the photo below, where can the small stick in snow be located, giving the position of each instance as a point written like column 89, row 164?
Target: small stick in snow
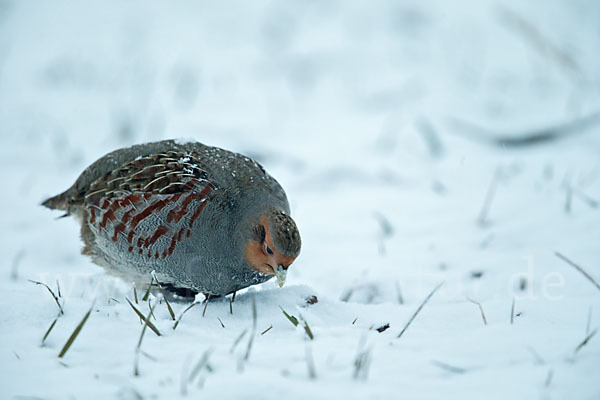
column 221, row 322
column 181, row 315
column 480, row 309
column 58, row 288
column 578, row 268
column 354, row 320
column 512, row 312
column 419, row 309
column 482, row 220
column 586, row 340
column 75, row 333
column 51, row 292
column 267, row 330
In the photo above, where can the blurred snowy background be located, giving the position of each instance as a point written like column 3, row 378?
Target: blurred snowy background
column 418, row 142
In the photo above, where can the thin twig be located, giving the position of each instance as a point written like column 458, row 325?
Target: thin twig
column 578, row 268
column 419, row 309
column 480, row 309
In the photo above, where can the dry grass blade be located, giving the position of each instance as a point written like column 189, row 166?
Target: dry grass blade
column 448, row 367
column 266, row 330
column 578, row 268
column 480, row 309
column 147, row 294
column 291, row 318
column 49, row 330
column 202, row 363
column 163, row 296
column 144, row 318
column 482, row 220
column 308, row 331
column 75, row 334
column 238, row 340
column 181, row 315
column 135, row 297
column 52, row 293
column 205, row 305
column 136, row 370
column 549, row 378
column 310, row 364
column 399, row 294
column 254, row 322
column 419, row 309
column 512, row 312
column 221, row 322
column 362, row 362
column 231, row 303
column 586, row 340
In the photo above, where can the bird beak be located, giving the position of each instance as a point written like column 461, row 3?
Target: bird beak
column 280, row 274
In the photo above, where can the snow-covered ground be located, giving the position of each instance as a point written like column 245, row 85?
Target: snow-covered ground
column 365, row 113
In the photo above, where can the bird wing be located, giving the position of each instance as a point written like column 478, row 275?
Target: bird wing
column 147, row 205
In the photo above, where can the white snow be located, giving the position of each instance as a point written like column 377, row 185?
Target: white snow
column 361, row 111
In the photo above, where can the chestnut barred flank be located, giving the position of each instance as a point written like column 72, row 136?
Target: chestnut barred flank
column 286, row 237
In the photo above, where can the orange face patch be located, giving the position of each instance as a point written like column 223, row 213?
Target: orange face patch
column 258, row 257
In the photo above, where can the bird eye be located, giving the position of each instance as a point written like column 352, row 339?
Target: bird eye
column 269, row 250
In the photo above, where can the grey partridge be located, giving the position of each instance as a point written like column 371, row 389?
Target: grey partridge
column 202, row 218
